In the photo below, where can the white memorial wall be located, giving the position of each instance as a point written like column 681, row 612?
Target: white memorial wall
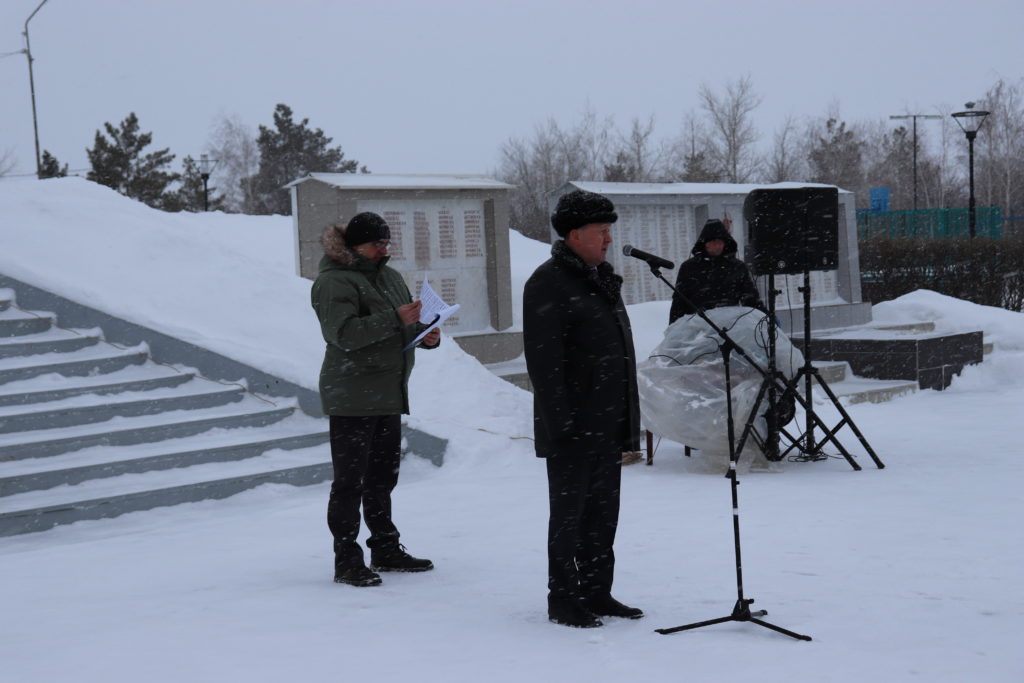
column 668, row 230
column 824, row 289
column 663, row 229
column 442, row 240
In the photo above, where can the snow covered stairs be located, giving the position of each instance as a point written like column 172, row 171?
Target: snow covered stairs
column 853, row 389
column 89, row 430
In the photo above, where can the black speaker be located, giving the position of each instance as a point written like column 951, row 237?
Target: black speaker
column 792, row 229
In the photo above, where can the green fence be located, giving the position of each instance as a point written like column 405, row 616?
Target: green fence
column 930, row 223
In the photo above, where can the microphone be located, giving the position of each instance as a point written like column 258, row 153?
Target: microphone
column 652, row 260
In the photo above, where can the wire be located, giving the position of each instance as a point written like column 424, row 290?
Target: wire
column 812, row 457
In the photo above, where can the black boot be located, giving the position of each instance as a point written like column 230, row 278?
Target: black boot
column 357, row 576
column 397, row 560
column 571, row 612
column 607, row 606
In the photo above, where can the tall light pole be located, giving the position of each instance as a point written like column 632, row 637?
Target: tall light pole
column 970, row 122
column 915, row 117
column 32, row 88
column 206, row 166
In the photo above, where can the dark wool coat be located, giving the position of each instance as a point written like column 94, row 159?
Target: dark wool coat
column 580, row 358
column 713, row 281
column 365, row 372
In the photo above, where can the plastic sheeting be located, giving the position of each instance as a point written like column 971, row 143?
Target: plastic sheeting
column 682, row 383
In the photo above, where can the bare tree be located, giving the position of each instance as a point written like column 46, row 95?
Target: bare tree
column 732, row 135
column 635, row 159
column 835, row 153
column 233, row 145
column 1000, row 154
column 786, row 160
column 686, row 158
column 7, row 161
column 552, row 156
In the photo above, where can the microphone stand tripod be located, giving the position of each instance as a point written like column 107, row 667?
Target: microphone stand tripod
column 741, row 610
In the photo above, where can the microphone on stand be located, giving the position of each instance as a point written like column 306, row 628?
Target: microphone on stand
column 651, row 259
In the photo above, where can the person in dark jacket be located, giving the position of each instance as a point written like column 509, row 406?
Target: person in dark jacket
column 580, row 358
column 713, row 276
column 367, row 318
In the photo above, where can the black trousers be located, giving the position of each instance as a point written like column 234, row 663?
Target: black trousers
column 583, row 492
column 366, row 452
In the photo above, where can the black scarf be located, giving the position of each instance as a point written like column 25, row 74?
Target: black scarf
column 603, row 278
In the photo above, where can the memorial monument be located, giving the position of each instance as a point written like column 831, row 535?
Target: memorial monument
column 451, row 229
column 665, row 219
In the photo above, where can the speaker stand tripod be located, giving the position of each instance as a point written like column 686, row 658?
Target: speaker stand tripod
column 809, row 447
column 741, row 610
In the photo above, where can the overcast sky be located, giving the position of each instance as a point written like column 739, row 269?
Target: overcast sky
column 435, row 86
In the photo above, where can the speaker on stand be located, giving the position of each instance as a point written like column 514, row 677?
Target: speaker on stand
column 796, row 230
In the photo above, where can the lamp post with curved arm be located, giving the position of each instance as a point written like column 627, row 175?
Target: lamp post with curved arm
column 32, row 89
column 970, row 122
column 206, row 166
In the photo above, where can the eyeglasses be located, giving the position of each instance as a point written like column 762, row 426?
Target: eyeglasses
column 382, row 244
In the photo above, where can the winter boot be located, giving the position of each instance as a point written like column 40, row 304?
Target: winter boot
column 357, row 576
column 570, row 612
column 397, row 560
column 607, row 606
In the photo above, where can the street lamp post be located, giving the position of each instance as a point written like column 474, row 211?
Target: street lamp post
column 915, row 117
column 206, row 165
column 32, row 89
column 970, row 122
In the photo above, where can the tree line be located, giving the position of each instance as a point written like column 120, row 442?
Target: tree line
column 719, row 142
column 251, row 168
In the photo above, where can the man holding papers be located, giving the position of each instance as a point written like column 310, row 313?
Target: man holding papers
column 370, row 324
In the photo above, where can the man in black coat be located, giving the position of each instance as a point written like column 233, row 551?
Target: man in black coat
column 580, row 358
column 714, row 277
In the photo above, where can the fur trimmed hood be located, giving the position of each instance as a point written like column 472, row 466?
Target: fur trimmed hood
column 333, row 242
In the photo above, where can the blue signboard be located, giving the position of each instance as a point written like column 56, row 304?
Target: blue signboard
column 879, row 198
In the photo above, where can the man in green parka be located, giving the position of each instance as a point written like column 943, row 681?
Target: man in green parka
column 367, row 318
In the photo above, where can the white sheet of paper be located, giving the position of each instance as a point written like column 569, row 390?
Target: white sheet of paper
column 433, row 313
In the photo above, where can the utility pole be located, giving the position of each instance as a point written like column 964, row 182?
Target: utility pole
column 32, row 88
column 915, row 117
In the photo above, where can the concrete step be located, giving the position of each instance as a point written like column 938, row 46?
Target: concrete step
column 121, row 431
column 905, row 327
column 55, row 387
column 111, row 497
column 15, row 323
column 217, row 445
column 54, row 340
column 89, row 408
column 512, row 371
column 860, row 390
column 93, row 360
column 89, row 430
column 832, row 371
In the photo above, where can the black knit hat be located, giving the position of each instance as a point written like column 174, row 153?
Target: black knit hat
column 366, row 227
column 579, row 208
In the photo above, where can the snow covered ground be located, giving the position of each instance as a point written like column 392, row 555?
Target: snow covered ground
column 911, row 573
